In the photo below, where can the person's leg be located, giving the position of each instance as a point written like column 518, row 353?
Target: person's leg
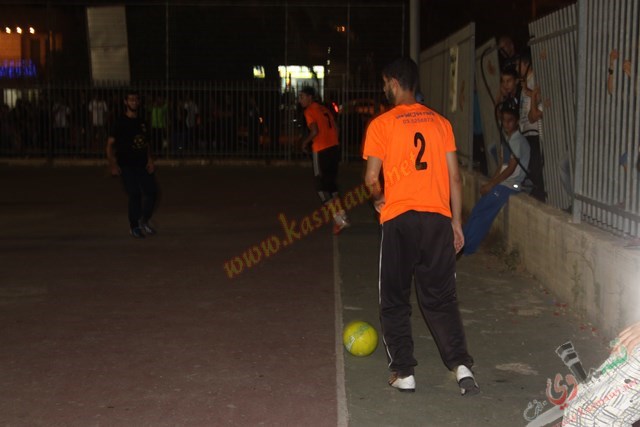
column 397, row 257
column 132, row 187
column 435, row 278
column 149, row 194
column 325, row 166
column 535, row 168
column 482, row 216
column 319, row 159
column 330, row 177
column 330, row 170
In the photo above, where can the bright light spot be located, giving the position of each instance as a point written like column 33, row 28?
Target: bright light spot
column 18, row 30
column 7, row 30
column 258, row 72
column 515, row 185
column 32, row 30
column 301, row 71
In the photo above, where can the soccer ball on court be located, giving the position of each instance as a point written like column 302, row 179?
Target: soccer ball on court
column 360, row 338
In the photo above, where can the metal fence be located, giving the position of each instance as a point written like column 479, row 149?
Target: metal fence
column 447, row 80
column 608, row 116
column 487, row 84
column 585, row 59
column 189, row 119
column 553, row 56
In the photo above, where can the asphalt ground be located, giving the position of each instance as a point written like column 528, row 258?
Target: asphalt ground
column 232, row 314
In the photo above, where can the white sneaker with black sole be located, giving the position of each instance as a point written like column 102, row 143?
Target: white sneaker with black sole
column 466, row 381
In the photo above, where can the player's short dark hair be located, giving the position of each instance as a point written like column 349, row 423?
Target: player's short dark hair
column 308, row 90
column 405, row 71
column 510, row 71
column 130, row 91
column 525, row 56
column 510, row 106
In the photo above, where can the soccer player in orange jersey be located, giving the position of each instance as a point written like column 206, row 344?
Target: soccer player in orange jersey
column 323, row 141
column 420, row 213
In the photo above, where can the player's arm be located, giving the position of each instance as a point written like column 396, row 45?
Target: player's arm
column 455, row 189
column 313, row 132
column 372, row 181
column 111, row 156
column 500, row 176
column 535, row 113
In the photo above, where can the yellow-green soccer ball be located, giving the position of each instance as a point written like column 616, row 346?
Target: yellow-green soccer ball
column 360, row 338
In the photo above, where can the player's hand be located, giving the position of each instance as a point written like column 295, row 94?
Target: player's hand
column 151, row 167
column 306, row 148
column 114, row 170
column 458, row 236
column 378, row 204
column 629, row 338
column 485, row 188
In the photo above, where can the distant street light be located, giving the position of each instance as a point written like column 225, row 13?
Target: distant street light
column 18, row 30
column 32, row 30
column 7, row 30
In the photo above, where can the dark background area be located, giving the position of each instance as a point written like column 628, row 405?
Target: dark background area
column 493, row 18
column 223, row 40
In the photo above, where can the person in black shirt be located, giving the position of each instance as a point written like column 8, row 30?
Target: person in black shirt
column 129, row 156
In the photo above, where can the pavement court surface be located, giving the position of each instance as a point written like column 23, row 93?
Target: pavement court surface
column 100, row 329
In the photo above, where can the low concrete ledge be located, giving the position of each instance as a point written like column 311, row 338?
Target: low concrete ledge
column 585, row 267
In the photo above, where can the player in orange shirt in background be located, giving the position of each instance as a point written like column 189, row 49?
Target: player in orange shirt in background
column 323, row 141
column 420, row 212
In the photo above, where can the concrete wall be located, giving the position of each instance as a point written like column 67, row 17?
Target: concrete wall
column 587, row 268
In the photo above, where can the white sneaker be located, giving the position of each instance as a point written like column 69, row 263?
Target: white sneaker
column 466, row 381
column 147, row 228
column 340, row 222
column 403, row 383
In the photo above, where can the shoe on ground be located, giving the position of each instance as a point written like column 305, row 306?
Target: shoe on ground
column 137, row 233
column 466, row 381
column 147, row 229
column 406, row 384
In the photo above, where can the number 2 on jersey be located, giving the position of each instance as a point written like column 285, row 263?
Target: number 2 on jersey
column 420, row 165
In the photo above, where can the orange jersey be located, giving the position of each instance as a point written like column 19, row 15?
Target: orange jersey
column 412, row 142
column 327, row 132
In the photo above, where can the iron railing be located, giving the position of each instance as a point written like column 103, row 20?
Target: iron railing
column 185, row 119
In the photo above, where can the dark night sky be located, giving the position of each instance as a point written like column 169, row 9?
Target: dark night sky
column 492, row 17
column 223, row 39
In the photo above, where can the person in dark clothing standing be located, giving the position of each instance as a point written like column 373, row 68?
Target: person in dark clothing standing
column 129, row 156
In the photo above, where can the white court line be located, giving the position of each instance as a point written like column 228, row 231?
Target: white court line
column 341, row 395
